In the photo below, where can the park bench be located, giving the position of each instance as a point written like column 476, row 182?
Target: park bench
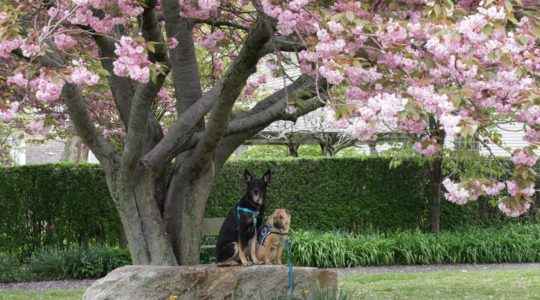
column 211, row 227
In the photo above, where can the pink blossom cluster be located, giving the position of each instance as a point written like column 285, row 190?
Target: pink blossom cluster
column 131, row 8
column 9, row 113
column 427, row 146
column 84, row 16
column 203, row 10
column 455, row 193
column 18, row 79
column 164, row 96
column 291, row 16
column 6, row 46
column 493, row 189
column 64, row 41
column 82, row 76
column 520, row 208
column 37, row 124
column 132, row 60
column 433, row 102
column 210, row 40
column 30, row 48
column 513, row 188
column 521, row 157
column 172, row 43
column 47, row 87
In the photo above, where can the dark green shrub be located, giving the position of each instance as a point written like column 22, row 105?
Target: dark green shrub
column 11, row 269
column 78, row 262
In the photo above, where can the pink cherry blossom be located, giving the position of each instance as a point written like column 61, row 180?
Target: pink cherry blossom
column 455, row 193
column 493, row 189
column 64, row 41
column 172, row 43
column 519, row 209
column 82, row 76
column 521, row 157
column 18, row 80
column 514, row 189
column 132, row 60
column 427, row 146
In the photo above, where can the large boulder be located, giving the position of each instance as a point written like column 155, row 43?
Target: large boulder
column 209, row 282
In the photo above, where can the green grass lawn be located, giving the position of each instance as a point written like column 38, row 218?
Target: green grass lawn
column 500, row 284
column 53, row 294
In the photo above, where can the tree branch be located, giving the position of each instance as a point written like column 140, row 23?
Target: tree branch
column 80, row 117
column 233, row 81
column 184, row 67
column 272, row 108
column 145, row 95
column 122, row 88
column 217, row 23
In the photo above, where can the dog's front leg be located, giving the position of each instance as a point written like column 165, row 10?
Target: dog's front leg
column 253, row 246
column 267, row 250
column 242, row 244
column 279, row 253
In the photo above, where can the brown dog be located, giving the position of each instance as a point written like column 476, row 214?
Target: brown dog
column 272, row 236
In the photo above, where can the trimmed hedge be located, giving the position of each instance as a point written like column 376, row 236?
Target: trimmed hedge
column 55, row 205
column 62, row 204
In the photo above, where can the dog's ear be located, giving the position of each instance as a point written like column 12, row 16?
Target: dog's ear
column 267, row 176
column 247, row 176
column 288, row 212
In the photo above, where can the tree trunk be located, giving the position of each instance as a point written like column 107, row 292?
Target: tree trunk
column 435, row 179
column 327, row 150
column 293, row 149
column 184, row 211
column 135, row 199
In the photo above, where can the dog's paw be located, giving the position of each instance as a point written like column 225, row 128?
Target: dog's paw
column 267, row 262
column 256, row 262
column 246, row 264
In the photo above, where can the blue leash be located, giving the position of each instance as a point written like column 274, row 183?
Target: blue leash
column 291, row 286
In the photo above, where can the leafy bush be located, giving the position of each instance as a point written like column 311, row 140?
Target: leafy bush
column 511, row 243
column 11, row 269
column 77, row 262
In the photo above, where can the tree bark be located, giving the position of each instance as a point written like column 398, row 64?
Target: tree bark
column 135, row 199
column 328, row 150
column 292, row 149
column 435, row 178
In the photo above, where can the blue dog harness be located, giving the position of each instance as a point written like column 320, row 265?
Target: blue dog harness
column 249, row 211
column 265, row 231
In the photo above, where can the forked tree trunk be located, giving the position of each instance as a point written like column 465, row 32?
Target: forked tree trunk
column 137, row 207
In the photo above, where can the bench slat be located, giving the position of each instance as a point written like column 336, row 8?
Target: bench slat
column 211, row 226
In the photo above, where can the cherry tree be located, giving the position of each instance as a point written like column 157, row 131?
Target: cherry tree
column 147, row 83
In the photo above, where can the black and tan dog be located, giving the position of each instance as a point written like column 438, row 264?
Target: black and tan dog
column 272, row 237
column 238, row 234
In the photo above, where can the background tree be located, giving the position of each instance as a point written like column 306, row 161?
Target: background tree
column 125, row 73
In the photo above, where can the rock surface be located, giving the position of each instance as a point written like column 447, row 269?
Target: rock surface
column 209, row 282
